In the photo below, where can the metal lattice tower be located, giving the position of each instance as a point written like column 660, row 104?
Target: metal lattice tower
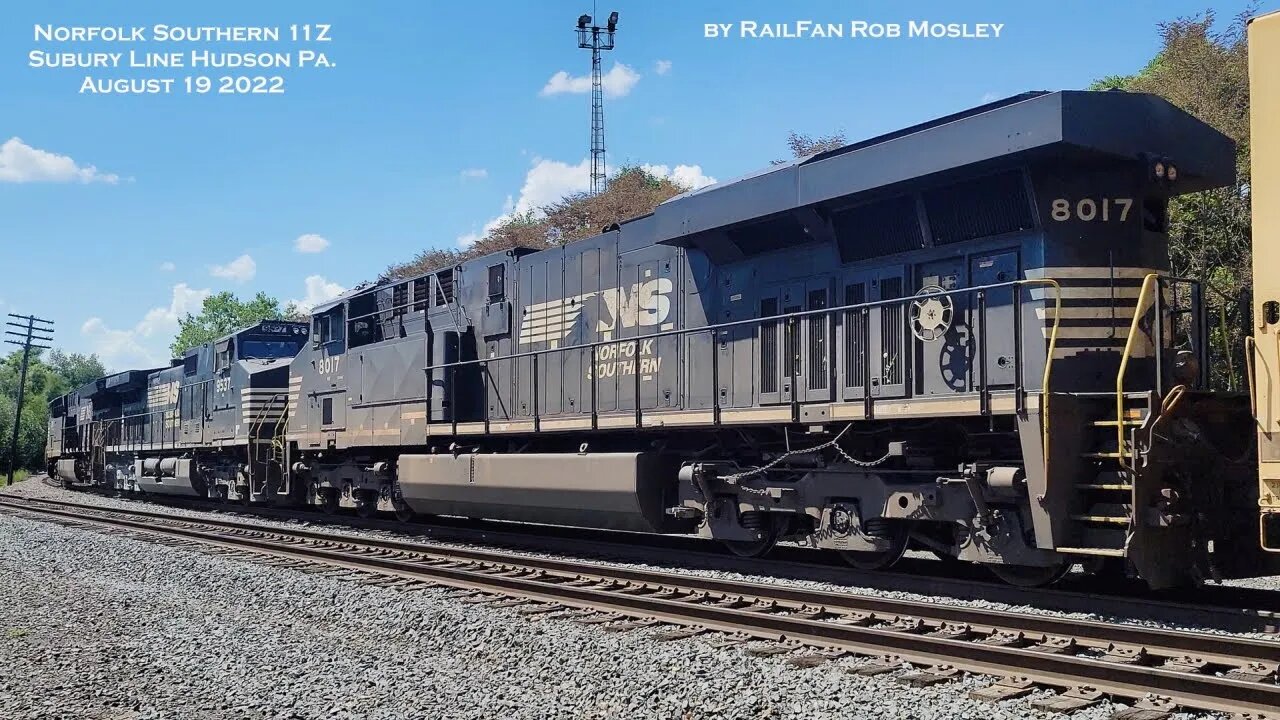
column 593, row 39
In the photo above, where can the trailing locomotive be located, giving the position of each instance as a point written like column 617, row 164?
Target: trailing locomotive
column 960, row 336
column 207, row 426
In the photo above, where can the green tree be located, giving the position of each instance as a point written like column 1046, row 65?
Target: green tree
column 46, row 379
column 632, row 191
column 75, row 368
column 223, row 313
column 1204, row 71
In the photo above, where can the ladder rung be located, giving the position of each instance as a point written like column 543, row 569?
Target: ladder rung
column 1102, row 486
column 1108, row 519
column 1113, row 423
column 1104, row 552
column 1103, row 455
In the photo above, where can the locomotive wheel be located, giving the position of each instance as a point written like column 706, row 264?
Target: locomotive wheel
column 881, row 559
column 366, row 508
column 1030, row 576
column 761, row 547
column 328, row 501
column 404, row 513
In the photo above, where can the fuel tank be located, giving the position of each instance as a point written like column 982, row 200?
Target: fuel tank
column 168, row 476
column 66, row 470
column 615, row 491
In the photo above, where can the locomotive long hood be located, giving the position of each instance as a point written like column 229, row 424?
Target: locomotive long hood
column 1080, row 124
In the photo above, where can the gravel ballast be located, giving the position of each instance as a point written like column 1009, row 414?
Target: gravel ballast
column 647, row 558
column 109, row 626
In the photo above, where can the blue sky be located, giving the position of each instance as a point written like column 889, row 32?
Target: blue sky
column 118, row 213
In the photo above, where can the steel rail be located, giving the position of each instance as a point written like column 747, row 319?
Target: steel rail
column 1233, row 613
column 679, row 599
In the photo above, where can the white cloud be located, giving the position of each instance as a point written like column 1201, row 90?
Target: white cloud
column 989, row 97
column 319, row 290
column 146, row 343
column 309, row 243
column 616, row 83
column 690, row 176
column 240, row 270
column 546, row 182
column 550, row 180
column 475, row 174
column 167, row 266
column 21, row 163
column 662, row 67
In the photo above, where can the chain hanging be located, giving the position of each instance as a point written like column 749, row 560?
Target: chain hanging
column 832, row 443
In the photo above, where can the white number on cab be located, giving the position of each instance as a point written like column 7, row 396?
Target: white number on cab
column 1088, row 209
column 327, row 365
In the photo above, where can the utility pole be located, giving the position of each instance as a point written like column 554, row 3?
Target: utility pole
column 29, row 326
column 590, row 38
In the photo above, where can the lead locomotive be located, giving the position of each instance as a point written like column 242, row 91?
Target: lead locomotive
column 961, row 336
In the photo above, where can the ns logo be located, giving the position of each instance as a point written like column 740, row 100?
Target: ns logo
column 644, row 304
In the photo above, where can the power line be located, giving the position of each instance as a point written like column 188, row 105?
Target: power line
column 591, row 38
column 30, row 326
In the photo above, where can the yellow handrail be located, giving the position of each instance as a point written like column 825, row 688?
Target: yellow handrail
column 1048, row 365
column 1251, row 347
column 1150, row 281
column 260, row 418
column 256, row 426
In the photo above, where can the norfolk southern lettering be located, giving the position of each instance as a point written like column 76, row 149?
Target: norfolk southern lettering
column 156, row 33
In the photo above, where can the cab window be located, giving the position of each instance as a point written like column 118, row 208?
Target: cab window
column 328, row 328
column 222, row 356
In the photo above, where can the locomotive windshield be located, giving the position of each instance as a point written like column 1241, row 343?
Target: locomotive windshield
column 270, row 347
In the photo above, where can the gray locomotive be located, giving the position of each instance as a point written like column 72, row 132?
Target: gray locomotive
column 207, row 426
column 961, row 336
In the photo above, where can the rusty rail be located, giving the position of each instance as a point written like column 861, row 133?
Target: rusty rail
column 1191, row 670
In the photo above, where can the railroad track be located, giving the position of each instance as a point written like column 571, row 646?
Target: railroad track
column 1160, row 669
column 1218, row 607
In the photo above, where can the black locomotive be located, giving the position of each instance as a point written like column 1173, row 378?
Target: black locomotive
column 960, row 336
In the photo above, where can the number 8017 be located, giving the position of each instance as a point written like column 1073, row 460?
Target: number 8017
column 1088, row 209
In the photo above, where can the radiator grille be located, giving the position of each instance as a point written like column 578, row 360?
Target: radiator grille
column 791, row 345
column 817, row 376
column 855, row 364
column 768, row 347
column 892, row 333
column 879, row 228
column 420, row 293
column 987, row 206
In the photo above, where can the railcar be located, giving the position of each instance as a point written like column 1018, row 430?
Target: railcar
column 206, row 426
column 962, row 336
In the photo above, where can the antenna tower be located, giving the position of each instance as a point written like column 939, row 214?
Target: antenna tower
column 596, row 39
